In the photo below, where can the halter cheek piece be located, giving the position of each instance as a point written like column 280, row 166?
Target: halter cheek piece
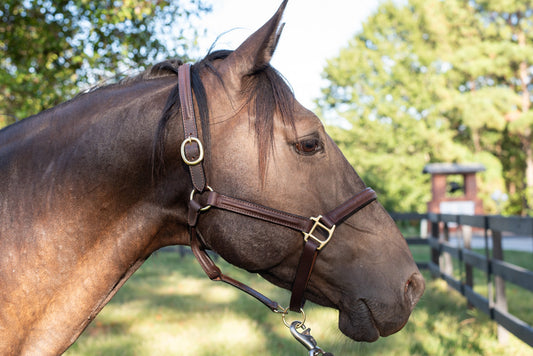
column 317, row 231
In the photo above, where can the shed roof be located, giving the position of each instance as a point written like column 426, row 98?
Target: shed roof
column 453, row 168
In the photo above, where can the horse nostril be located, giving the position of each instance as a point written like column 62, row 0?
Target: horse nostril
column 414, row 288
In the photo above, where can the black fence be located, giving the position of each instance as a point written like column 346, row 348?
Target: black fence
column 491, row 229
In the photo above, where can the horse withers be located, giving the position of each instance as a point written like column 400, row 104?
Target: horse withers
column 92, row 187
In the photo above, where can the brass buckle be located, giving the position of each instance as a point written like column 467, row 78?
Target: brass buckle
column 321, row 243
column 187, row 141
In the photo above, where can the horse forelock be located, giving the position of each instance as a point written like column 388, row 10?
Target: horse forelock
column 268, row 93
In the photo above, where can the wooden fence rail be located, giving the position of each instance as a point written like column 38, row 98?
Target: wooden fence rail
column 497, row 271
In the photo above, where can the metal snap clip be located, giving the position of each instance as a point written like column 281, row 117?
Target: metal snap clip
column 306, row 339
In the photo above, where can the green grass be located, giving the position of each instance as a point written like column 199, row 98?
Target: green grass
column 169, row 307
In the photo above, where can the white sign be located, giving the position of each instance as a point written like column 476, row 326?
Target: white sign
column 467, row 207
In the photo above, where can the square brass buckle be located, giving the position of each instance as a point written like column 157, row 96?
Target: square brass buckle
column 318, row 224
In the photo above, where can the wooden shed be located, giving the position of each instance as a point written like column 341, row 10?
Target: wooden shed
column 454, row 188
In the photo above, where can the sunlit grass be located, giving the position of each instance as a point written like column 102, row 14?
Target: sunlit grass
column 169, row 307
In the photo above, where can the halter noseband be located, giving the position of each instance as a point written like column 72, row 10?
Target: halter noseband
column 317, row 231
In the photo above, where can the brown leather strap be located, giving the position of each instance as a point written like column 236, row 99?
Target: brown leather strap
column 257, row 211
column 215, row 274
column 293, row 221
column 212, row 270
column 209, row 267
column 192, row 148
column 349, row 207
column 303, row 274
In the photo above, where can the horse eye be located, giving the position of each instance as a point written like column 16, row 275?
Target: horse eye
column 308, row 146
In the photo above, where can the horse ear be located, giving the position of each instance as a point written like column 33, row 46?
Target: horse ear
column 255, row 52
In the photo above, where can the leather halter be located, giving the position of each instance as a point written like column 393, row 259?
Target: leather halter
column 317, row 231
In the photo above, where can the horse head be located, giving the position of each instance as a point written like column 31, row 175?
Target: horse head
column 268, row 149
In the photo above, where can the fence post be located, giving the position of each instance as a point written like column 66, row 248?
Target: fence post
column 446, row 258
column 467, row 240
column 488, row 257
column 435, row 253
column 499, row 285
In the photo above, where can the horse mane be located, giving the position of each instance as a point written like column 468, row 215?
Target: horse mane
column 266, row 93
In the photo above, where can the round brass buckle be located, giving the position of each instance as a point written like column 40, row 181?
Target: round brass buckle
column 200, row 158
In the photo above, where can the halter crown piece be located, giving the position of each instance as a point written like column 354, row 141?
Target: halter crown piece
column 317, row 231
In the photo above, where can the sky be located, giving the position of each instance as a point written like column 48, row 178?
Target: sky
column 315, row 30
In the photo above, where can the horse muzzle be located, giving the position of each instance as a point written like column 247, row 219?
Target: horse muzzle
column 367, row 319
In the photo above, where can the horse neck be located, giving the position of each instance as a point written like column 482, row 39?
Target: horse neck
column 94, row 154
column 83, row 210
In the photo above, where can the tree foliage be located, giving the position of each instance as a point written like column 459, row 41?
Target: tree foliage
column 51, row 49
column 437, row 81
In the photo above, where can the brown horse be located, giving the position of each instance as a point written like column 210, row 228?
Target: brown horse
column 91, row 188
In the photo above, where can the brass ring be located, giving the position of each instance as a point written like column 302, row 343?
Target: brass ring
column 192, row 197
column 300, row 323
column 187, row 141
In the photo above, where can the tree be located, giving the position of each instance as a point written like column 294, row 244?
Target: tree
column 431, row 81
column 495, row 68
column 52, row 48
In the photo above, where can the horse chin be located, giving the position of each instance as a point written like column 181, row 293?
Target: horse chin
column 358, row 324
